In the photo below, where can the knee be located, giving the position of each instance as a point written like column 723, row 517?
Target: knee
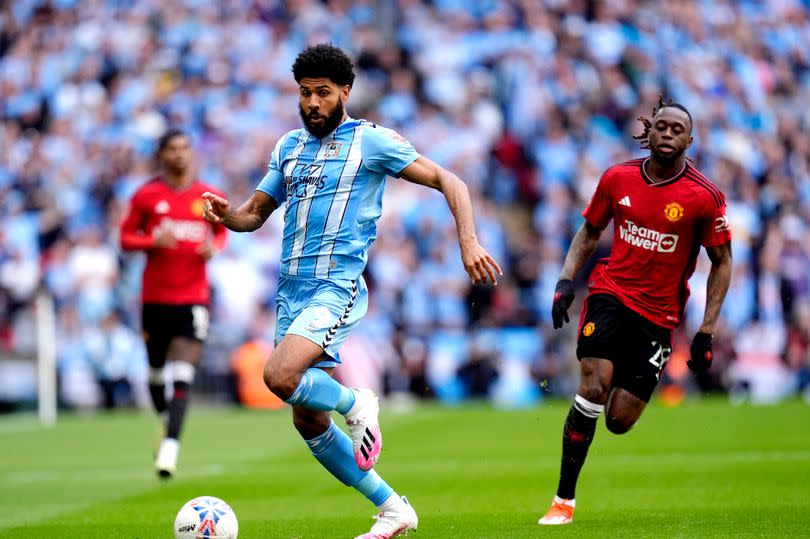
column 280, row 382
column 618, row 425
column 594, row 391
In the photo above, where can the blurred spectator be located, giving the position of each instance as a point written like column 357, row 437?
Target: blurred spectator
column 118, row 361
column 527, row 100
column 248, row 362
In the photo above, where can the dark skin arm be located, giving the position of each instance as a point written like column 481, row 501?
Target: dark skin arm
column 716, row 285
column 582, row 247
column 246, row 218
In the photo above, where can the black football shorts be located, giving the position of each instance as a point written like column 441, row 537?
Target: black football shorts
column 638, row 348
column 162, row 322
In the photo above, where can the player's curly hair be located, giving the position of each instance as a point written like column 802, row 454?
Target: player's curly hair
column 324, row 60
column 644, row 137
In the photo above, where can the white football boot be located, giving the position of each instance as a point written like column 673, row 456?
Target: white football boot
column 392, row 522
column 364, row 426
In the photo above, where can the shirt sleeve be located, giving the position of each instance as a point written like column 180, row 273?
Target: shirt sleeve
column 273, row 181
column 715, row 229
column 386, row 151
column 600, row 209
column 131, row 231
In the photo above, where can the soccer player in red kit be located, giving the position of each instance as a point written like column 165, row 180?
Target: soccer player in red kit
column 663, row 210
column 165, row 220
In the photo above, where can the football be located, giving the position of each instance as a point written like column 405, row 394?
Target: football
column 208, row 517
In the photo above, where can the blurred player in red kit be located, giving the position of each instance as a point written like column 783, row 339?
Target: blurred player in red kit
column 663, row 210
column 165, row 220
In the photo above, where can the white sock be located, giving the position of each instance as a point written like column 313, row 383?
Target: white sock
column 170, row 443
column 570, row 503
column 391, row 503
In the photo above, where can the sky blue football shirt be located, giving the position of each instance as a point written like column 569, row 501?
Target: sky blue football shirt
column 333, row 188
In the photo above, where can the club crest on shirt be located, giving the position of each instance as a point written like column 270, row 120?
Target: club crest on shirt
column 589, row 328
column 673, row 211
column 332, row 149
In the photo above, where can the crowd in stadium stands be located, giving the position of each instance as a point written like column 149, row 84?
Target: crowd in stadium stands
column 527, row 100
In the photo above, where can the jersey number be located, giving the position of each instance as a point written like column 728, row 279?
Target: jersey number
column 660, row 357
column 199, row 320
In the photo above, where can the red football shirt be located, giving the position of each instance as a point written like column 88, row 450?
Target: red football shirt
column 658, row 229
column 176, row 275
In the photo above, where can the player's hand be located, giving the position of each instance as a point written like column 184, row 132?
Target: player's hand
column 164, row 239
column 215, row 208
column 478, row 264
column 206, row 250
column 563, row 298
column 701, row 352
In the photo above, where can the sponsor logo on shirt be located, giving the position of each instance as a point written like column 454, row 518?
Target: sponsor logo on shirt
column 674, row 212
column 399, row 138
column 647, row 238
column 302, row 177
column 162, row 207
column 186, row 230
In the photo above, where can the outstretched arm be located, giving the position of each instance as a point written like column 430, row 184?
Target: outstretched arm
column 700, row 351
column 716, row 285
column 246, row 218
column 477, row 261
column 582, row 247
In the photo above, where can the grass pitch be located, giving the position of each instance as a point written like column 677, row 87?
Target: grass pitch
column 704, row 469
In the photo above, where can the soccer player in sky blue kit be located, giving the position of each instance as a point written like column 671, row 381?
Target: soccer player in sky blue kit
column 332, row 174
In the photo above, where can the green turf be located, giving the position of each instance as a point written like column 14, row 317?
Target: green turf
column 704, row 469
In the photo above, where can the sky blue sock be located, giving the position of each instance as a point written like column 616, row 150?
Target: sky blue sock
column 333, row 449
column 319, row 391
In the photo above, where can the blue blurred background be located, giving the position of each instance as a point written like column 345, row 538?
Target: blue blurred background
column 528, row 101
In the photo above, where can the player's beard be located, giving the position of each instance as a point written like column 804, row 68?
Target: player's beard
column 331, row 123
column 176, row 170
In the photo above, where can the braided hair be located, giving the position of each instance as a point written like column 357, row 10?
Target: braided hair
column 644, row 137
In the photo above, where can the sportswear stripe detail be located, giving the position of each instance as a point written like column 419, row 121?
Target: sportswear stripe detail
column 289, row 170
column 302, row 217
column 327, row 340
column 662, row 183
column 340, row 224
column 711, row 188
column 632, row 162
column 699, row 175
column 588, row 408
column 338, row 205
